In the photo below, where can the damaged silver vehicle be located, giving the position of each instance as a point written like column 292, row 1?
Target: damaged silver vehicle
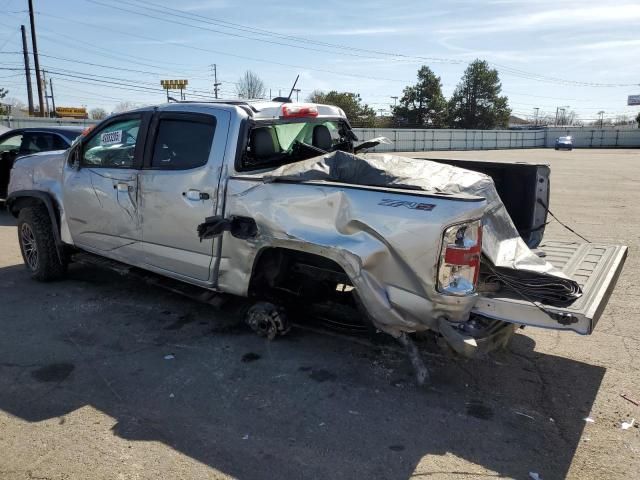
column 274, row 201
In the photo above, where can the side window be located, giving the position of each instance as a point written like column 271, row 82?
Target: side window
column 59, row 143
column 34, row 142
column 113, row 146
column 11, row 144
column 182, row 144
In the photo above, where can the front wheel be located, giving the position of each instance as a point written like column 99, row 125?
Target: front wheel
column 38, row 245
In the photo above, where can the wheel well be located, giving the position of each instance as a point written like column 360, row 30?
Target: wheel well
column 293, row 273
column 37, row 199
column 23, row 202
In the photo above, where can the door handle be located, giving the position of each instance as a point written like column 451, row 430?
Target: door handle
column 195, row 195
column 123, row 187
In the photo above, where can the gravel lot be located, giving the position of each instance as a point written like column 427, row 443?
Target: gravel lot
column 106, row 377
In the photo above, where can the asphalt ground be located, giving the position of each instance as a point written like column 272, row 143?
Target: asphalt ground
column 104, row 376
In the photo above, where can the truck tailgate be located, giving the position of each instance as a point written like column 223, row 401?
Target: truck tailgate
column 595, row 267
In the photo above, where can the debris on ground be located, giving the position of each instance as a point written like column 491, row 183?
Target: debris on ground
column 589, row 420
column 246, row 437
column 169, row 356
column 523, row 415
column 534, row 476
column 629, row 399
column 627, row 425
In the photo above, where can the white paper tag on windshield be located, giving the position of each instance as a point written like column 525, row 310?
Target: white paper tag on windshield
column 111, row 138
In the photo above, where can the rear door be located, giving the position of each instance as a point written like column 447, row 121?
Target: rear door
column 179, row 187
column 596, row 267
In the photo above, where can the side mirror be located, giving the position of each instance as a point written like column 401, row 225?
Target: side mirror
column 74, row 157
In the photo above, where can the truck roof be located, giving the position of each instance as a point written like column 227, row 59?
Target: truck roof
column 263, row 109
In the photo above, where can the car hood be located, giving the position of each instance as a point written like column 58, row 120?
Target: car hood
column 41, row 156
column 39, row 171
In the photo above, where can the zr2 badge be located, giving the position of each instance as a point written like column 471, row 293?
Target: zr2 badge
column 388, row 202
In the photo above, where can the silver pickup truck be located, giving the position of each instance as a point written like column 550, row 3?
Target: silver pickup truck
column 209, row 194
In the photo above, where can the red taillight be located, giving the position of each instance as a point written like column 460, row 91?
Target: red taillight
column 466, row 256
column 299, row 111
column 460, row 259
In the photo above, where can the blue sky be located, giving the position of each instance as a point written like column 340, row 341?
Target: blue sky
column 548, row 53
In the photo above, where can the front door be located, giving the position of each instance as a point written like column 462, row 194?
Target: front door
column 101, row 193
column 179, row 189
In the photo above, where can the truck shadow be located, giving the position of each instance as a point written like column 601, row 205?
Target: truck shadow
column 6, row 219
column 169, row 370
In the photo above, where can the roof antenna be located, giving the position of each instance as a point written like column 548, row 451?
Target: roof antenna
column 288, row 99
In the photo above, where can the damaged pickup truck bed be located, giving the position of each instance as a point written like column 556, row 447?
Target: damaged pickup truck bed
column 272, row 201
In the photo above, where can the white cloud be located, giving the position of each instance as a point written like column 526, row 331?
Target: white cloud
column 553, row 18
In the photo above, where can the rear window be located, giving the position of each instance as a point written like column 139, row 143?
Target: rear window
column 281, row 143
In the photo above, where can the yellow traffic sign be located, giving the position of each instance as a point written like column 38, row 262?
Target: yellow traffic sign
column 177, row 84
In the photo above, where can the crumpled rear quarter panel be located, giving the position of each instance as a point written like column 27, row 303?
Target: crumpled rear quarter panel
column 389, row 253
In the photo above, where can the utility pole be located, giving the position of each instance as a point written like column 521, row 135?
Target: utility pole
column 27, row 68
column 601, row 113
column 537, row 109
column 53, row 100
column 216, row 84
column 36, row 59
column 297, row 90
column 46, row 96
column 557, row 111
column 395, row 101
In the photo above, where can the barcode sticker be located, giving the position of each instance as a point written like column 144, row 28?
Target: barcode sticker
column 111, row 138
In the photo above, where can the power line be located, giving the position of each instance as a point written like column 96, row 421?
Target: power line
column 230, row 25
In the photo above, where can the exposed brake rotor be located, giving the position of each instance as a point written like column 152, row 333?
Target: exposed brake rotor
column 267, row 320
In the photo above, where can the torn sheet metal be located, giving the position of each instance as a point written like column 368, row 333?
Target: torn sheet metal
column 390, row 254
column 501, row 244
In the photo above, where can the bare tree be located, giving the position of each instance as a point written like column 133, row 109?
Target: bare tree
column 250, row 86
column 317, row 96
column 97, row 113
column 569, row 118
column 622, row 120
column 18, row 107
column 125, row 107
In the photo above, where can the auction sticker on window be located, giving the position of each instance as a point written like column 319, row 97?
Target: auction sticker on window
column 111, row 138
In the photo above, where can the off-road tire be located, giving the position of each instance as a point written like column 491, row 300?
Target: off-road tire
column 36, row 232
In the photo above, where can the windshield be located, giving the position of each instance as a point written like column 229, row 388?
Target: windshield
column 281, row 143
